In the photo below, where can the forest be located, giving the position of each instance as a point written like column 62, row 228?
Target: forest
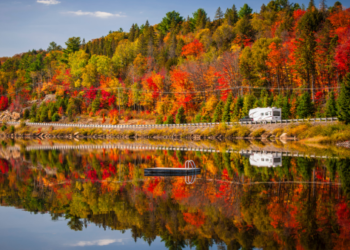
column 107, row 188
column 192, row 69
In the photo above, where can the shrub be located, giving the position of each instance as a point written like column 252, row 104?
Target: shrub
column 103, row 112
column 3, row 127
column 243, row 131
column 278, row 132
column 159, row 120
column 297, row 130
column 55, row 117
column 258, row 132
column 22, row 124
column 12, row 129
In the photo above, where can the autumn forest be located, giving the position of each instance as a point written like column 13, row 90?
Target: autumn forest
column 192, row 69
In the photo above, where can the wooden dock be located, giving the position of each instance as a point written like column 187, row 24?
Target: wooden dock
column 171, row 171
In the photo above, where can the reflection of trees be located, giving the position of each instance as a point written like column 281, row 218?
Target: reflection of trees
column 217, row 210
column 172, row 242
column 75, row 223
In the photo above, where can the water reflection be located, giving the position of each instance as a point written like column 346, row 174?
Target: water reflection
column 264, row 200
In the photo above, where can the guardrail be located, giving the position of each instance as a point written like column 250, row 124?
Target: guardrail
column 186, row 125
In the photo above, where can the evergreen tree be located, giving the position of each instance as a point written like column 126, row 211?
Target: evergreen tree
column 173, row 46
column 44, row 113
column 169, row 120
column 331, row 106
column 131, row 36
column 226, row 116
column 305, row 106
column 245, row 11
column 142, row 45
column 248, row 103
column 197, row 118
column 179, row 46
column 231, row 16
column 95, row 104
column 236, row 107
column 180, row 116
column 286, row 108
column 219, row 15
column 279, row 101
column 344, row 101
column 218, row 112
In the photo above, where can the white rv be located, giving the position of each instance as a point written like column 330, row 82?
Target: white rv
column 266, row 160
column 265, row 114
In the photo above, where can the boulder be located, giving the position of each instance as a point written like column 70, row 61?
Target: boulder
column 16, row 116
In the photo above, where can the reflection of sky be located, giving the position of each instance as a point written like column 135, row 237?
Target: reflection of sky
column 23, row 230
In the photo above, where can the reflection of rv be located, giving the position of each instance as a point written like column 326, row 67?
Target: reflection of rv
column 265, row 160
column 265, row 114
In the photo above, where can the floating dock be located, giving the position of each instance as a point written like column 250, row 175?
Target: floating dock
column 171, row 171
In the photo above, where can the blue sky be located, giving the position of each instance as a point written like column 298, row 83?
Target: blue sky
column 33, row 24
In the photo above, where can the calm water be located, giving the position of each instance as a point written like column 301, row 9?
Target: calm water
column 54, row 199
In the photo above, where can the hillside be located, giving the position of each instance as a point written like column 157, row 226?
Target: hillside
column 191, row 69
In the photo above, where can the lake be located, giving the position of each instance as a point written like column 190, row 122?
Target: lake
column 245, row 197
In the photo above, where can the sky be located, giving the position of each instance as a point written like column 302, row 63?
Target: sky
column 33, row 24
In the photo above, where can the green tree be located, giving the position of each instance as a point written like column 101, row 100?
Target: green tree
column 231, row 15
column 286, row 108
column 96, row 104
column 197, row 118
column 248, row 103
column 305, row 106
column 218, row 112
column 169, row 120
column 55, row 117
column 73, row 45
column 180, row 116
column 236, row 108
column 198, row 20
column 344, row 101
column 54, row 46
column 170, row 17
column 226, row 116
column 245, row 11
column 331, row 106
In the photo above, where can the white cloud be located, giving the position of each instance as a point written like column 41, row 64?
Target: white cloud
column 48, row 2
column 99, row 14
column 104, row 242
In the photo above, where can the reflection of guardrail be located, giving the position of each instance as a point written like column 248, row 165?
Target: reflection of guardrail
column 132, row 147
column 186, row 125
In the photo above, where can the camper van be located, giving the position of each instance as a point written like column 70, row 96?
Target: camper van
column 266, row 160
column 265, row 114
